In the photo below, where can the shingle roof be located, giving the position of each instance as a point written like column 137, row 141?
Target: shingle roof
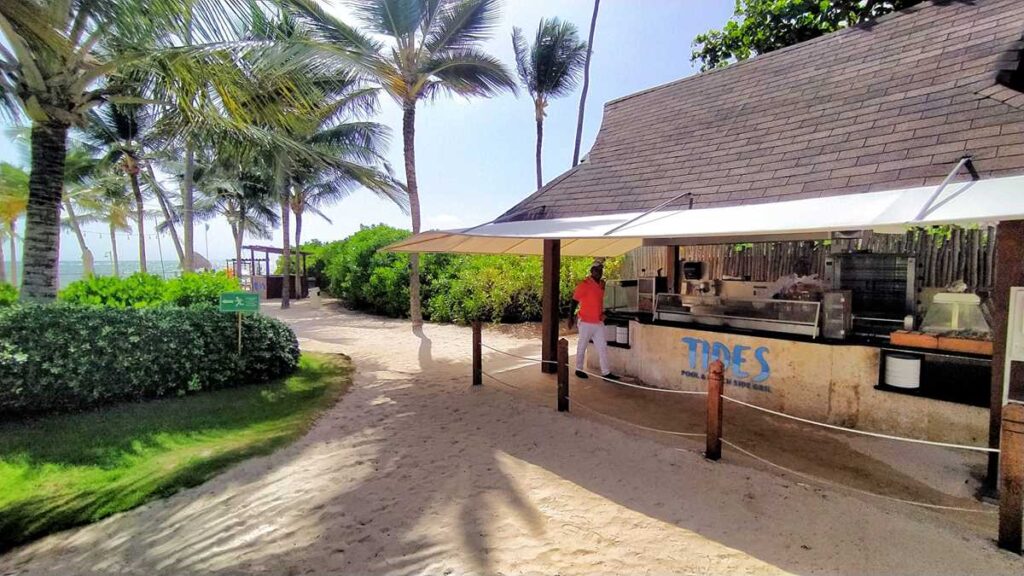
column 889, row 105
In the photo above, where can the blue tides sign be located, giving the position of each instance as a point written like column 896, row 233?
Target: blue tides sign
column 745, row 366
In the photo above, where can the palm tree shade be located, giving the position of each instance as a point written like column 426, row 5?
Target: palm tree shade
column 548, row 69
column 430, row 48
column 586, row 87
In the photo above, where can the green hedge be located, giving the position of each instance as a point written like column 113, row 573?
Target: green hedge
column 455, row 288
column 61, row 357
column 8, row 294
column 142, row 290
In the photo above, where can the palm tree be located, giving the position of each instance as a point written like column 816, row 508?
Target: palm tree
column 431, row 48
column 55, row 58
column 79, row 168
column 548, row 69
column 112, row 205
column 586, row 86
column 13, row 203
column 119, row 132
column 244, row 198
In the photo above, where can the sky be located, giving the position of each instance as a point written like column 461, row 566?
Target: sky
column 475, row 158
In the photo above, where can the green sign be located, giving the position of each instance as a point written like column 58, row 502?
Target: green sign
column 239, row 302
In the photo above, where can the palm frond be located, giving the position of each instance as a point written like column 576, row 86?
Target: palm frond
column 468, row 72
column 462, row 24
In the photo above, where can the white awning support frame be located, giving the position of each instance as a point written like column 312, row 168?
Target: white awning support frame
column 892, row 211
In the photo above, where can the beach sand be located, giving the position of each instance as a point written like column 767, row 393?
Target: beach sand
column 414, row 471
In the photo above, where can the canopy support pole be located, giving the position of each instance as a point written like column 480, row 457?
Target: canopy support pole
column 965, row 161
column 652, row 210
column 549, row 306
column 1009, row 271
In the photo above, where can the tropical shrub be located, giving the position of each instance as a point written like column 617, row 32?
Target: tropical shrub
column 61, row 357
column 8, row 294
column 456, row 288
column 191, row 289
column 142, row 290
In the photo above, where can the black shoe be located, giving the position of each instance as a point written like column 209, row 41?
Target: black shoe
column 581, row 374
column 610, row 376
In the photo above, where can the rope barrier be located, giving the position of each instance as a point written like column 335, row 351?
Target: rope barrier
column 537, row 360
column 500, row 381
column 628, row 423
column 852, row 489
column 639, row 387
column 864, row 432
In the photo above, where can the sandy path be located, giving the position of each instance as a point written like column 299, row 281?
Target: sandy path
column 415, row 472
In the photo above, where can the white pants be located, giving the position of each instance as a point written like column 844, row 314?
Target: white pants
column 592, row 331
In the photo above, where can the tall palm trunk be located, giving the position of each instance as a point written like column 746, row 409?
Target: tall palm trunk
column 14, row 253
column 187, row 204
column 586, row 86
column 409, row 145
column 161, row 198
column 539, row 105
column 113, row 250
column 298, row 229
column 140, row 218
column 87, row 259
column 42, row 224
column 3, row 270
column 238, row 232
column 284, row 188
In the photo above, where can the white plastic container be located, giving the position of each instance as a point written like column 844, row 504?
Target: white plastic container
column 622, row 334
column 903, row 371
column 609, row 333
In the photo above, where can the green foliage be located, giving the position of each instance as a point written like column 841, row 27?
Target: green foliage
column 8, row 295
column 456, row 288
column 59, row 358
column 62, row 470
column 191, row 289
column 145, row 290
column 760, row 26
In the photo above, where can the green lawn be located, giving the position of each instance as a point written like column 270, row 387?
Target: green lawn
column 61, row 471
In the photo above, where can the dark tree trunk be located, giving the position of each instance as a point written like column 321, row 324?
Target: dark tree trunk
column 140, row 219
column 586, row 86
column 283, row 187
column 409, row 145
column 187, row 214
column 42, row 229
column 168, row 217
column 540, row 145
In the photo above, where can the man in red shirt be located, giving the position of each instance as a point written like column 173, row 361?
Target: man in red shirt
column 590, row 297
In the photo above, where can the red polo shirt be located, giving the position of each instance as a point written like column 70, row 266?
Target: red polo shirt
column 590, row 295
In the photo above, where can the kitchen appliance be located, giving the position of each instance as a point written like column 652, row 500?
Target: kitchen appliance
column 959, row 313
column 836, row 314
column 647, row 288
column 785, row 316
column 883, row 289
column 693, row 270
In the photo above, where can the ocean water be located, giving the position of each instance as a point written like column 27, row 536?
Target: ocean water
column 71, row 270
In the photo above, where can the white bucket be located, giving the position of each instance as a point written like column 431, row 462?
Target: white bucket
column 622, row 334
column 609, row 333
column 902, row 371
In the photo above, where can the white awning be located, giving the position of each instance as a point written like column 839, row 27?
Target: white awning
column 893, row 211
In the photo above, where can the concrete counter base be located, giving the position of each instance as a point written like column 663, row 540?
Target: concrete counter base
column 822, row 382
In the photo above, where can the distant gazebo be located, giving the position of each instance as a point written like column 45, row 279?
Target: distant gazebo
column 256, row 273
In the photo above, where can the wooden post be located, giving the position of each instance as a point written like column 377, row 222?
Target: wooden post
column 1011, row 478
column 716, row 381
column 672, row 268
column 478, row 370
column 1008, row 271
column 549, row 305
column 563, row 375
